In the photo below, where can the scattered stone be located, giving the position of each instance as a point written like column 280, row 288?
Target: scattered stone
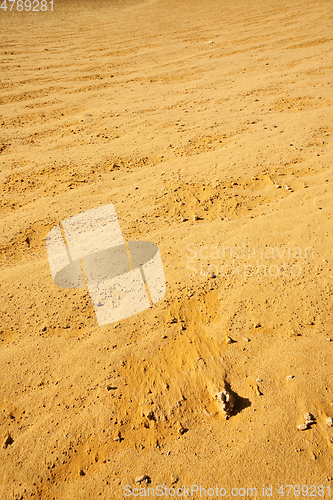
column 44, row 329
column 259, row 380
column 143, row 479
column 229, row 340
column 308, row 416
column 227, row 401
column 195, row 217
column 329, row 421
column 181, row 430
column 290, row 377
column 82, row 473
column 110, row 387
column 302, row 427
column 182, row 219
column 288, row 188
column 256, row 325
column 278, row 186
column 258, row 391
column 117, row 437
column 246, row 339
column 8, row 440
column 208, row 414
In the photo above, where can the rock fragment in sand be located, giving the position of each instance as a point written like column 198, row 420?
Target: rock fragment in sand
column 227, row 403
column 117, row 437
column 181, row 429
column 302, row 427
column 258, row 391
column 195, row 217
column 308, row 416
column 8, row 440
column 329, row 421
column 142, row 479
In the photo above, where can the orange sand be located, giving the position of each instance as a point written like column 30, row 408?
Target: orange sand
column 169, row 110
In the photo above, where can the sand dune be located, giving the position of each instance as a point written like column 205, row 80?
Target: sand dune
column 208, row 126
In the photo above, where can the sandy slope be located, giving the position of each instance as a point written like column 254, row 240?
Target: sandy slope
column 168, row 110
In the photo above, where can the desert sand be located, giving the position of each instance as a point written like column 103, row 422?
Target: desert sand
column 208, row 126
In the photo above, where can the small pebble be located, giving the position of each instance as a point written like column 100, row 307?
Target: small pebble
column 229, row 340
column 195, row 217
column 302, row 427
column 181, row 430
column 278, row 186
column 288, row 188
column 142, row 479
column 117, row 437
column 246, row 339
column 308, row 416
column 8, row 440
column 258, row 391
column 259, row 380
column 290, row 377
column 329, row 421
